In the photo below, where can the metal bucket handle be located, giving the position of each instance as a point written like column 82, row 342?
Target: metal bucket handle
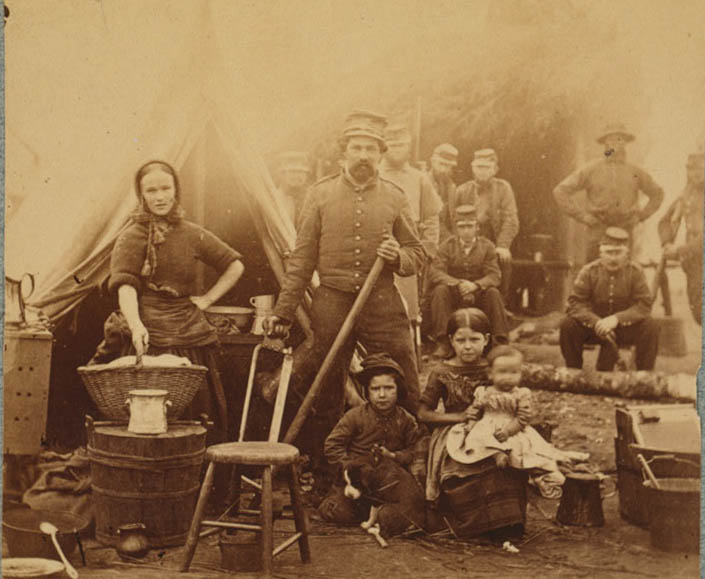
column 673, row 457
column 667, row 457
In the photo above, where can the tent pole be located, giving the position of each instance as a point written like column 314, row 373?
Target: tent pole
column 199, row 210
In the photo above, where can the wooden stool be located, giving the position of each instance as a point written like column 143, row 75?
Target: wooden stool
column 266, row 454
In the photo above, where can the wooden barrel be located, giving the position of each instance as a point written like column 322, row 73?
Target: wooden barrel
column 150, row 479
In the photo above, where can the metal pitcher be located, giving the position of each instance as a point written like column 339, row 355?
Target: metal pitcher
column 148, row 410
column 15, row 300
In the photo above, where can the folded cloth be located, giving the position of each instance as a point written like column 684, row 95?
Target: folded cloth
column 64, row 483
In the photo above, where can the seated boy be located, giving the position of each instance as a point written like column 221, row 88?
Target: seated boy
column 380, row 423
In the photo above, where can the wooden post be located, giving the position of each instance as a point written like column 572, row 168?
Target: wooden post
column 581, row 503
column 340, row 339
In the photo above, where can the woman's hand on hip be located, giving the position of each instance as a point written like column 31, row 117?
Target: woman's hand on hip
column 202, row 302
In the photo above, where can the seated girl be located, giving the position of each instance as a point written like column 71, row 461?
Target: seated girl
column 478, row 497
column 380, row 423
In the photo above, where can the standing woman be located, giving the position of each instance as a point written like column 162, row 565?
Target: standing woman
column 153, row 272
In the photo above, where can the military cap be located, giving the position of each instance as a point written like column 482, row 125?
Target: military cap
column 398, row 133
column 294, row 161
column 465, row 213
column 361, row 123
column 381, row 363
column 447, row 152
column 615, row 236
column 485, row 157
column 615, row 129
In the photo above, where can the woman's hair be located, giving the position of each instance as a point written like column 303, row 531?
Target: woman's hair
column 156, row 166
column 503, row 351
column 471, row 318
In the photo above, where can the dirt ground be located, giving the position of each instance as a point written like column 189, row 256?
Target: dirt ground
column 548, row 549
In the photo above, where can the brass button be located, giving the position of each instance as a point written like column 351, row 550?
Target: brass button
column 358, row 263
column 359, row 198
column 358, row 211
column 357, row 288
column 358, row 238
column 357, row 251
column 357, row 274
column 358, row 224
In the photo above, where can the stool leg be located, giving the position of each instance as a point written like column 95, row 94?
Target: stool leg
column 267, row 522
column 195, row 528
column 235, row 490
column 300, row 518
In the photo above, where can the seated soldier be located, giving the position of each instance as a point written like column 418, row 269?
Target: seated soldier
column 465, row 273
column 610, row 305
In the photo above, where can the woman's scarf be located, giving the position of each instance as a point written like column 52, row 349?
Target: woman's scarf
column 158, row 228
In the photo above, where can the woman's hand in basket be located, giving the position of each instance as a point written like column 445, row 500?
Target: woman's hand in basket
column 140, row 339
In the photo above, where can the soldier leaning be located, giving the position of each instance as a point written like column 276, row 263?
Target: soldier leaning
column 688, row 208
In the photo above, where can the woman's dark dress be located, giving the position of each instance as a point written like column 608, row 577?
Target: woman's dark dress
column 175, row 324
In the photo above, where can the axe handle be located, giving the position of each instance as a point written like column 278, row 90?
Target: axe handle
column 340, row 339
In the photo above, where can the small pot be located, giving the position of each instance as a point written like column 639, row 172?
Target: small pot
column 133, row 542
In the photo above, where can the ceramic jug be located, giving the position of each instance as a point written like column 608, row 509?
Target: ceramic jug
column 133, row 542
column 148, row 410
column 15, row 300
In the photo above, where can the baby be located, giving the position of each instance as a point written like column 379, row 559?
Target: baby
column 503, row 412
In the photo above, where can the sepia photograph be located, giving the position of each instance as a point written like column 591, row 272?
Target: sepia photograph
column 338, row 290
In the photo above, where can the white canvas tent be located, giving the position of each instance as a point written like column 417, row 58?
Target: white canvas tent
column 193, row 123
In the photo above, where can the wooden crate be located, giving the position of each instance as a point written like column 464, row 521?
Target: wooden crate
column 26, row 365
column 670, row 430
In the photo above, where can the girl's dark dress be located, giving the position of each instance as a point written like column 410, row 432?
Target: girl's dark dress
column 481, row 496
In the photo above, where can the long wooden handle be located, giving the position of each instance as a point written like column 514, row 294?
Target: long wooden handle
column 648, row 471
column 340, row 339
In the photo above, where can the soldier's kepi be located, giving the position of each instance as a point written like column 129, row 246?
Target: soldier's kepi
column 349, row 220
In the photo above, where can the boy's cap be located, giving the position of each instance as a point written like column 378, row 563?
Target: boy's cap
column 465, row 213
column 379, row 361
column 615, row 236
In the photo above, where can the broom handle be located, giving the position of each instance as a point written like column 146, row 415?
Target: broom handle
column 647, row 470
column 340, row 339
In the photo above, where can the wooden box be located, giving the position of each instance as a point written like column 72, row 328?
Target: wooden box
column 668, row 431
column 26, row 365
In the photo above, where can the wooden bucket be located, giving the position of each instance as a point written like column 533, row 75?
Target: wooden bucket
column 150, row 479
column 674, row 514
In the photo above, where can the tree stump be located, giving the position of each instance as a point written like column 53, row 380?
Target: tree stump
column 581, row 503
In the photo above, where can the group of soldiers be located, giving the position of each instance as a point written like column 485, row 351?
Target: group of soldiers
column 466, row 233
